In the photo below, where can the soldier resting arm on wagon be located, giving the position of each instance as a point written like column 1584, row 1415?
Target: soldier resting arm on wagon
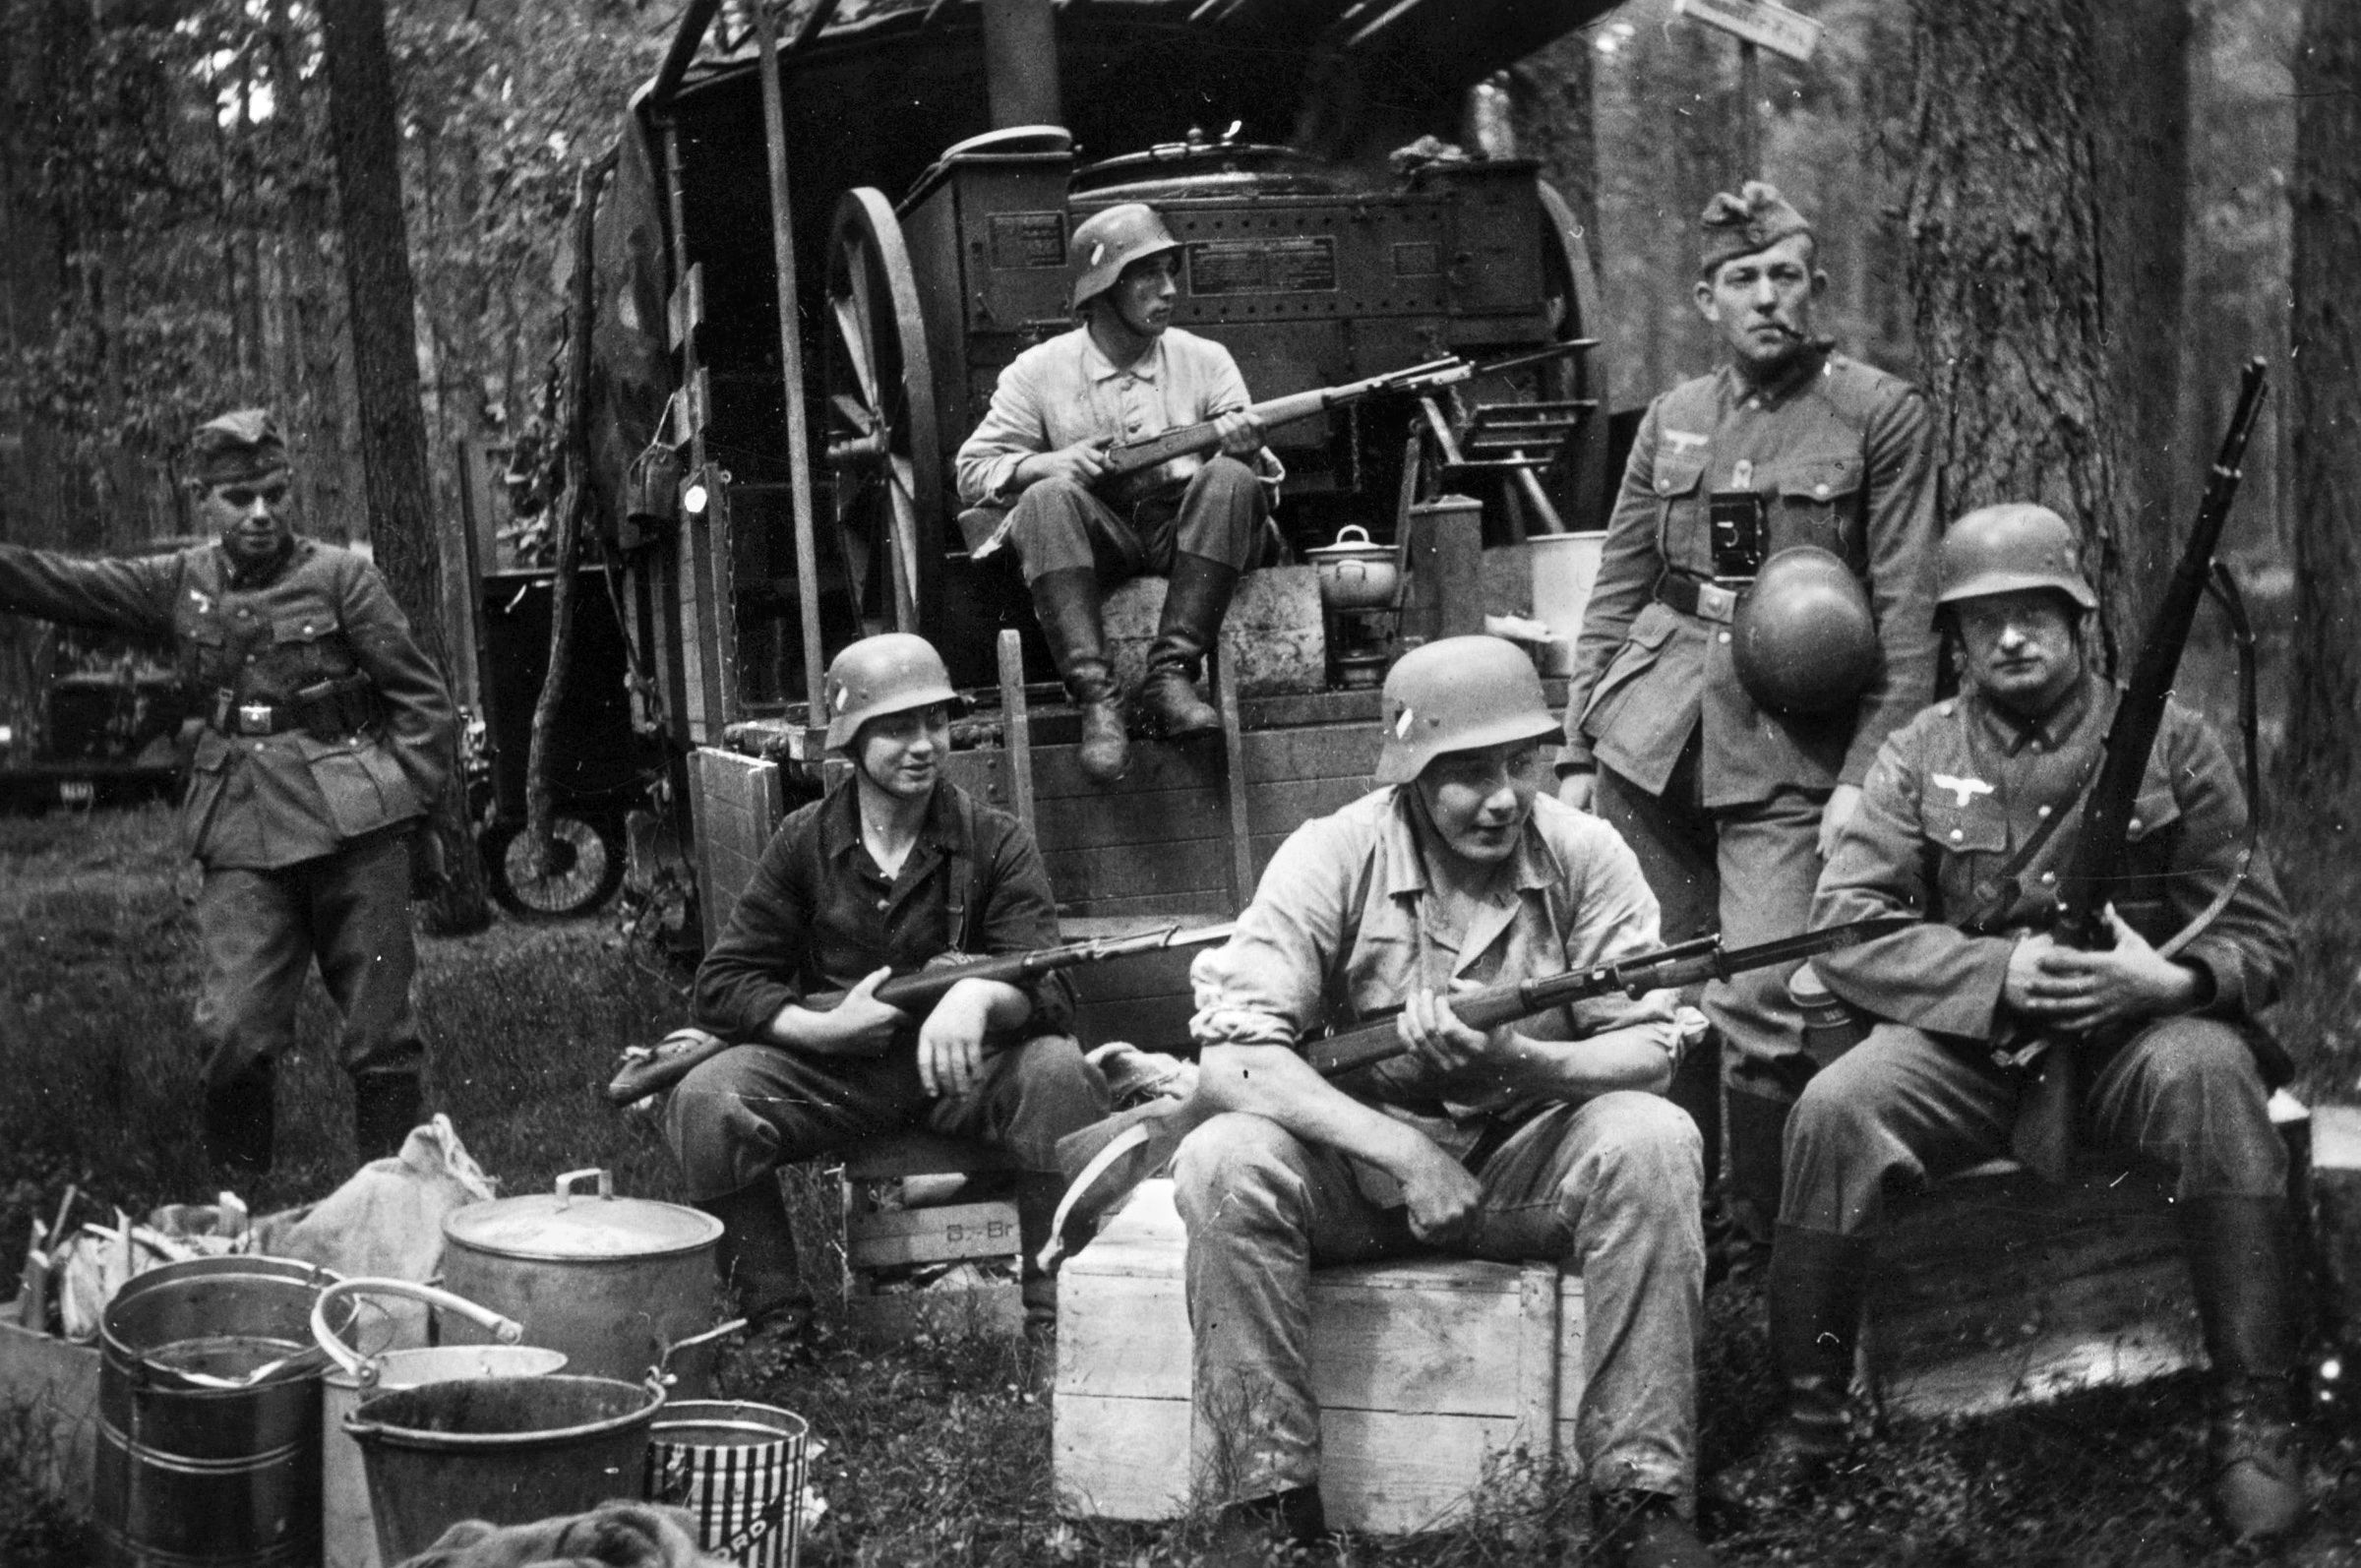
column 1125, row 374
column 326, row 733
column 893, row 867
column 1544, row 1140
column 2173, row 1066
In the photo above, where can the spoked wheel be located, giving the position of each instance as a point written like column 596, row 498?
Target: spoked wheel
column 585, row 868
column 883, row 449
column 1576, row 311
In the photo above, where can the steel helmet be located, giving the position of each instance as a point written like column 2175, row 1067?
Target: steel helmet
column 1803, row 639
column 891, row 673
column 2010, row 547
column 1105, row 243
column 1458, row 695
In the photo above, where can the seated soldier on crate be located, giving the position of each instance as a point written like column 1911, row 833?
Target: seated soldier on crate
column 893, row 867
column 2167, row 1060
column 1125, row 373
column 1547, row 1140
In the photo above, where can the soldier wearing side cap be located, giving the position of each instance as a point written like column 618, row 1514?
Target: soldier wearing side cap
column 1970, row 815
column 1730, row 779
column 1125, row 374
column 327, row 732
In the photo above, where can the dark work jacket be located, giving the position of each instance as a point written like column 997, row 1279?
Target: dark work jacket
column 1844, row 457
column 321, row 613
column 1951, row 798
column 818, row 915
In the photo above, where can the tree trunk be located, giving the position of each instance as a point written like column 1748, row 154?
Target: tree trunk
column 2003, row 229
column 377, row 275
column 2139, row 54
column 1551, row 108
column 2317, row 763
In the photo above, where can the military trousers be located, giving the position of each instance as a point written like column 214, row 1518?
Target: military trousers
column 1060, row 525
column 262, row 931
column 1608, row 1187
column 1903, row 1109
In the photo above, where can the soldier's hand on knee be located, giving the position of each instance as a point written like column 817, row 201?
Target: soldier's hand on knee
column 950, row 1042
column 1578, row 789
column 1436, row 1036
column 1442, row 1197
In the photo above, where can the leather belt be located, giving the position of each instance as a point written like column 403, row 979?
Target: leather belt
column 330, row 704
column 1709, row 599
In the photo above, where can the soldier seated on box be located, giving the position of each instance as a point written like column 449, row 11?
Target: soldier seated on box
column 893, row 867
column 1125, row 374
column 2167, row 1062
column 1547, row 1140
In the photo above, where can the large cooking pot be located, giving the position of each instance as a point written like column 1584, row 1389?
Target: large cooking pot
column 614, row 1283
column 1354, row 574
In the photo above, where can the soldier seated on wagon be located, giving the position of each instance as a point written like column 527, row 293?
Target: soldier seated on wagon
column 893, row 867
column 1125, row 374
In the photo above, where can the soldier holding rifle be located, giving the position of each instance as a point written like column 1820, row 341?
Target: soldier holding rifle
column 1123, row 374
column 1971, row 821
column 1729, row 778
column 892, row 869
column 1548, row 1139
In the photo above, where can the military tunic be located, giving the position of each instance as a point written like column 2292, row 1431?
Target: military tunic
column 1720, row 798
column 296, row 830
column 1951, row 799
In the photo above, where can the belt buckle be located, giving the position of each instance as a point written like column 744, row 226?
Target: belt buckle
column 254, row 718
column 1717, row 603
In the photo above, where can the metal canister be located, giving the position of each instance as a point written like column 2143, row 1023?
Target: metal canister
column 1831, row 1026
column 209, row 1416
column 614, row 1283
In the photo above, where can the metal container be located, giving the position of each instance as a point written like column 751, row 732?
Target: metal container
column 348, row 1528
column 209, row 1416
column 508, row 1450
column 614, row 1283
column 1355, row 574
column 1565, row 569
column 739, row 1469
column 1831, row 1026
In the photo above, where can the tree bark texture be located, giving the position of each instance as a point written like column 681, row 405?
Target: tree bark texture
column 2318, row 762
column 2003, row 227
column 366, row 139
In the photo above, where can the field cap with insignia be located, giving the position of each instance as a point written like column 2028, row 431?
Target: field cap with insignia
column 1755, row 220
column 238, row 448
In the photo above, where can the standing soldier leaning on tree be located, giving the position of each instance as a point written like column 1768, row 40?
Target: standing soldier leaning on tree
column 2173, row 1064
column 327, row 730
column 1731, row 778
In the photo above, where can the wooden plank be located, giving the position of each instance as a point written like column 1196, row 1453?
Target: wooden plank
column 1118, row 1457
column 902, row 1237
column 54, row 1385
column 1537, row 1368
column 1389, row 1474
column 1016, row 746
column 1233, row 774
column 1113, row 822
column 1156, row 766
column 1348, row 752
column 1186, row 865
column 1211, row 904
column 1163, row 973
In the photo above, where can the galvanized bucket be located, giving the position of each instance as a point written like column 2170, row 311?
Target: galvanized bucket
column 347, row 1528
column 209, row 1416
column 739, row 1468
column 506, row 1450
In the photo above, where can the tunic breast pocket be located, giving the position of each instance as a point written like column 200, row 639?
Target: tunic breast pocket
column 308, row 647
column 2151, row 840
column 1980, row 827
column 1682, row 534
column 1820, row 505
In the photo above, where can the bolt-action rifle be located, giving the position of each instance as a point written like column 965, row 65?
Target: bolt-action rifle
column 1108, row 1158
column 651, row 1069
column 1135, row 467
column 2096, row 872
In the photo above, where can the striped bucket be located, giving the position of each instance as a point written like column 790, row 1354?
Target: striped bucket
column 739, row 1468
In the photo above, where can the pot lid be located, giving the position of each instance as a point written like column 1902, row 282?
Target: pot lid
column 565, row 1225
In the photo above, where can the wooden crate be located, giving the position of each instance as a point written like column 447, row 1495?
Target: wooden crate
column 55, row 1384
column 880, row 1238
column 1430, row 1373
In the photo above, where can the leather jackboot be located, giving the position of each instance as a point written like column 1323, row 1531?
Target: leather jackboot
column 386, row 1106
column 1194, row 602
column 757, row 1255
column 2239, row 1252
column 1067, row 603
column 241, row 1120
column 1815, row 1287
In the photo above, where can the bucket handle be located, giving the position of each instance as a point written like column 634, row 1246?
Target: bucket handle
column 505, row 1330
column 565, row 1190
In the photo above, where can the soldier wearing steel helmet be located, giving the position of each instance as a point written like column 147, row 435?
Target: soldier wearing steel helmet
column 1548, row 1139
column 1724, row 727
column 894, row 867
column 1125, row 374
column 325, row 732
column 1969, row 817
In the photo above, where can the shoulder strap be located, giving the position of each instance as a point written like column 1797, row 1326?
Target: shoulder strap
column 963, row 894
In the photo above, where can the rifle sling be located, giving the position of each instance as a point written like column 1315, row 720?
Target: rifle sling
column 2224, row 588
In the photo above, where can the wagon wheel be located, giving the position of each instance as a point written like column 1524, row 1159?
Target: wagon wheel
column 1572, row 290
column 882, row 444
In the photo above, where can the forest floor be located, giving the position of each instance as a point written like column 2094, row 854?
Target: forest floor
column 937, row 1453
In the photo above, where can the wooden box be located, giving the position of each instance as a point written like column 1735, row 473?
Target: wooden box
column 878, row 1237
column 1429, row 1374
column 52, row 1385
column 1273, row 624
